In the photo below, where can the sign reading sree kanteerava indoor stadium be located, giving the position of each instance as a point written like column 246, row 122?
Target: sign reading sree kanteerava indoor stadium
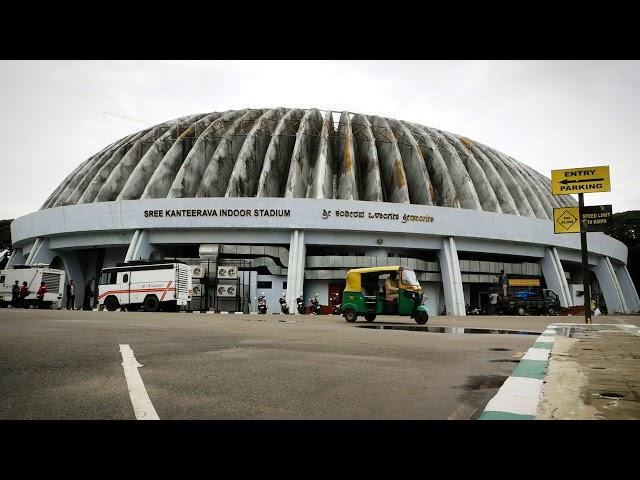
column 263, row 212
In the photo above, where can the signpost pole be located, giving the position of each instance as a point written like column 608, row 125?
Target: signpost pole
column 585, row 266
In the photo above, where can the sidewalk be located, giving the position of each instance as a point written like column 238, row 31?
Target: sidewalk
column 574, row 371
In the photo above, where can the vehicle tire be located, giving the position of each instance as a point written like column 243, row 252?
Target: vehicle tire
column 151, row 304
column 112, row 303
column 421, row 318
column 350, row 315
column 521, row 311
column 551, row 310
column 369, row 317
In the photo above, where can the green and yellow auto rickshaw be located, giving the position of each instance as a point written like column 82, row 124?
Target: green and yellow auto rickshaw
column 383, row 291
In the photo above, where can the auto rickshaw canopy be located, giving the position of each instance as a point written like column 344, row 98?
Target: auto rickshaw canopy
column 354, row 276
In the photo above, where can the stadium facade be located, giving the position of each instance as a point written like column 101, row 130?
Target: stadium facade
column 296, row 197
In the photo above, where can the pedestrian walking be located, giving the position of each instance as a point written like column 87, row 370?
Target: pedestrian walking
column 503, row 282
column 24, row 292
column 15, row 294
column 71, row 296
column 40, row 294
column 493, row 301
column 86, row 304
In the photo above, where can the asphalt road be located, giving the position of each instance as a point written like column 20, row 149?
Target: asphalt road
column 68, row 365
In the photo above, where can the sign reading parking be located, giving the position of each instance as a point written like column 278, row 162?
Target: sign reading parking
column 566, row 220
column 580, row 180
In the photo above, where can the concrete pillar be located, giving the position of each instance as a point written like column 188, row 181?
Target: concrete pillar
column 609, row 286
column 16, row 258
column 295, row 271
column 554, row 276
column 628, row 289
column 451, row 278
column 139, row 248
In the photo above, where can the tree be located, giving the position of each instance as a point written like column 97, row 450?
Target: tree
column 5, row 234
column 626, row 228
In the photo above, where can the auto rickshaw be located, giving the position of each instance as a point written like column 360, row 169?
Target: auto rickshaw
column 365, row 294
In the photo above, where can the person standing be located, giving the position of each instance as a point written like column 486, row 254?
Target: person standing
column 71, row 296
column 503, row 282
column 493, row 301
column 15, row 294
column 24, row 292
column 86, row 305
column 40, row 294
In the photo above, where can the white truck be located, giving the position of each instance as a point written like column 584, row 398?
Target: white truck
column 153, row 285
column 33, row 274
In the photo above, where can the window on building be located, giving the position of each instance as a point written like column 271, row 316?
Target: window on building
column 284, row 285
column 263, row 284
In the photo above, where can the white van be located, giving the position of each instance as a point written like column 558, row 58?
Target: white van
column 33, row 275
column 153, row 285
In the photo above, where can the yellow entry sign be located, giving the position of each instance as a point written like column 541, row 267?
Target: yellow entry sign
column 566, row 220
column 580, row 180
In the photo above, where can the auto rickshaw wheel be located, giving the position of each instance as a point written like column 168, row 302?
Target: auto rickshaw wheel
column 350, row 315
column 421, row 318
column 369, row 317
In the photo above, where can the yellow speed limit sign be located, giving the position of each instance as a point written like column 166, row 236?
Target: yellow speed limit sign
column 566, row 220
column 580, row 180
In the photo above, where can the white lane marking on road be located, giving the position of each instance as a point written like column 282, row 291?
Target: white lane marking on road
column 537, row 354
column 142, row 406
column 517, row 395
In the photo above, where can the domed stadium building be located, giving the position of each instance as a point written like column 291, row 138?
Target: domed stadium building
column 294, row 198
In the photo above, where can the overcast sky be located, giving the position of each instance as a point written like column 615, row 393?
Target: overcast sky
column 546, row 114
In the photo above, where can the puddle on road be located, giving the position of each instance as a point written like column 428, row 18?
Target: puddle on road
column 455, row 330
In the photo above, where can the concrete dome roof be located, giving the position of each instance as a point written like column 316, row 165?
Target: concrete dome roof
column 297, row 153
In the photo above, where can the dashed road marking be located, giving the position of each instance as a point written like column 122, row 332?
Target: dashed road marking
column 142, row 406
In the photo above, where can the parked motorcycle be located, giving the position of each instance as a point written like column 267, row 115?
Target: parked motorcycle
column 316, row 308
column 262, row 304
column 300, row 304
column 472, row 311
column 336, row 303
column 284, row 308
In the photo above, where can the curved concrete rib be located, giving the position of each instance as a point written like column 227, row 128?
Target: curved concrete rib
column 535, row 186
column 367, row 158
column 326, row 162
column 168, row 145
column 348, row 178
column 48, row 203
column 96, row 183
column 157, row 181
column 216, row 176
column 556, row 200
column 181, row 180
column 418, row 181
column 507, row 203
column 81, row 188
column 534, row 201
column 62, row 196
column 244, row 177
column 481, row 183
column 304, row 155
column 273, row 176
column 520, row 199
column 443, row 187
column 392, row 174
column 120, row 173
column 465, row 190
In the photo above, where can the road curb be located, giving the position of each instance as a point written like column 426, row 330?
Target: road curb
column 520, row 394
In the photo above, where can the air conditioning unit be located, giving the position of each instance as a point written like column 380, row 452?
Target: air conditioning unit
column 226, row 290
column 227, row 272
column 197, row 271
column 197, row 290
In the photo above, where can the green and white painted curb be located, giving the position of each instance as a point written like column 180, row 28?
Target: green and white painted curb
column 518, row 397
